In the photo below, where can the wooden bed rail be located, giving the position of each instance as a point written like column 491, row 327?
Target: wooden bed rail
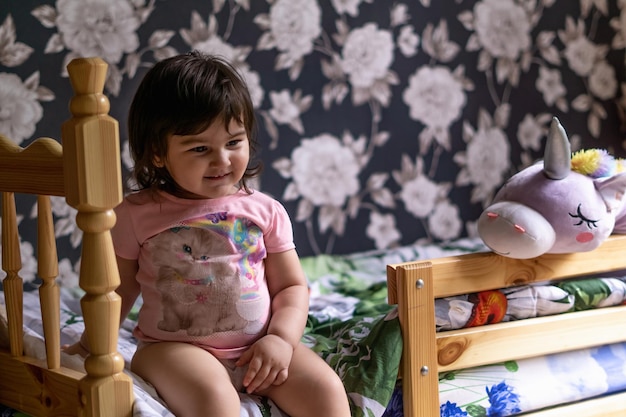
column 86, row 169
column 414, row 286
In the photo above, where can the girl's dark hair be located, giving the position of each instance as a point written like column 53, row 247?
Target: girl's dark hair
column 184, row 95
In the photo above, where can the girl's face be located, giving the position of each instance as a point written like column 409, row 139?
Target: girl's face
column 209, row 164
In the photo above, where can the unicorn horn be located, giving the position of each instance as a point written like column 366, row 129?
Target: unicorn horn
column 557, row 155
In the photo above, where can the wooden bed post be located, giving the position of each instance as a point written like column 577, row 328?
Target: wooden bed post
column 93, row 185
column 414, row 296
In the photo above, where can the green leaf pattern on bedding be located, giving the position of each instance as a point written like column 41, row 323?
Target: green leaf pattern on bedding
column 357, row 333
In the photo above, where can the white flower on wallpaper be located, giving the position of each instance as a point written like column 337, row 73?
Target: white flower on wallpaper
column 253, row 80
column 502, row 32
column 399, row 14
column 206, row 38
column 445, row 221
column 418, row 193
column 588, row 60
column 435, row 97
column 367, row 55
column 419, row 196
column 532, row 130
column 350, row 7
column 485, row 162
column 408, row 41
column 550, row 85
column 580, row 52
column 382, row 230
column 619, row 26
column 287, row 107
column 324, row 171
column 602, row 81
column 104, row 28
column 20, row 110
column 12, row 52
column 291, row 27
column 503, row 28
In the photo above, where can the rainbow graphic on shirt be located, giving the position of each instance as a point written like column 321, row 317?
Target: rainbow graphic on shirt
column 247, row 239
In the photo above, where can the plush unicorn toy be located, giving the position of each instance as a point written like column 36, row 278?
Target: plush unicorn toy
column 563, row 204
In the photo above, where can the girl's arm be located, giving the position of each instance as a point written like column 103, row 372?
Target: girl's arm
column 289, row 294
column 270, row 356
column 129, row 287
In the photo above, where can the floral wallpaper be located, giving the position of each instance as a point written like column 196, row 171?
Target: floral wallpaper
column 383, row 123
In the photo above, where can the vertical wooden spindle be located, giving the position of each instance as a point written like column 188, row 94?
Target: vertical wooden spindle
column 94, row 189
column 12, row 283
column 48, row 269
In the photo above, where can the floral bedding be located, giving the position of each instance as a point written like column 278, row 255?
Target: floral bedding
column 362, row 348
column 351, row 326
column 514, row 387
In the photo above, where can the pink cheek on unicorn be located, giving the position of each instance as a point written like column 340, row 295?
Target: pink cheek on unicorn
column 584, row 237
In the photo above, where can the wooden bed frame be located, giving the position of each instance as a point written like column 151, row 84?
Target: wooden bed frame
column 414, row 286
column 86, row 169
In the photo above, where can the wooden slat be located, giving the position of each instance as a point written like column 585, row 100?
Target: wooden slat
column 459, row 349
column 36, row 169
column 28, row 386
column 486, row 271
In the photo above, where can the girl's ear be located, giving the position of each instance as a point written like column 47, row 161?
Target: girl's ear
column 158, row 162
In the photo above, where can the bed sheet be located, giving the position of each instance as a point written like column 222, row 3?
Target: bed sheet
column 350, row 325
column 515, row 387
column 364, row 350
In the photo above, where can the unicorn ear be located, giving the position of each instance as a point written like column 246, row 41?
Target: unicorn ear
column 612, row 190
column 557, row 155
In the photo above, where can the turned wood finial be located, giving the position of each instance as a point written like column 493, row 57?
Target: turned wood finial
column 94, row 135
column 88, row 76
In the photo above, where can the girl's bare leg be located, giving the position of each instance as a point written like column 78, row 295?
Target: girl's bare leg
column 312, row 388
column 190, row 380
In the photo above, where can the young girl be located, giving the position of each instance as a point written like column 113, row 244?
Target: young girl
column 225, row 299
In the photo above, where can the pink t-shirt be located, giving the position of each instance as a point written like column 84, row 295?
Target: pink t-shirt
column 201, row 266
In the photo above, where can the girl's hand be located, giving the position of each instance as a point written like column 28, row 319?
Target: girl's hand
column 268, row 362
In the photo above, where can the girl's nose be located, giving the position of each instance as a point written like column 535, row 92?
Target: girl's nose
column 219, row 158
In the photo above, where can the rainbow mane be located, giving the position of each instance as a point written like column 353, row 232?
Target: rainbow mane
column 596, row 163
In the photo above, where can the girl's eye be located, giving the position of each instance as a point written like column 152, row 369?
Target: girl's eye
column 233, row 143
column 199, row 149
